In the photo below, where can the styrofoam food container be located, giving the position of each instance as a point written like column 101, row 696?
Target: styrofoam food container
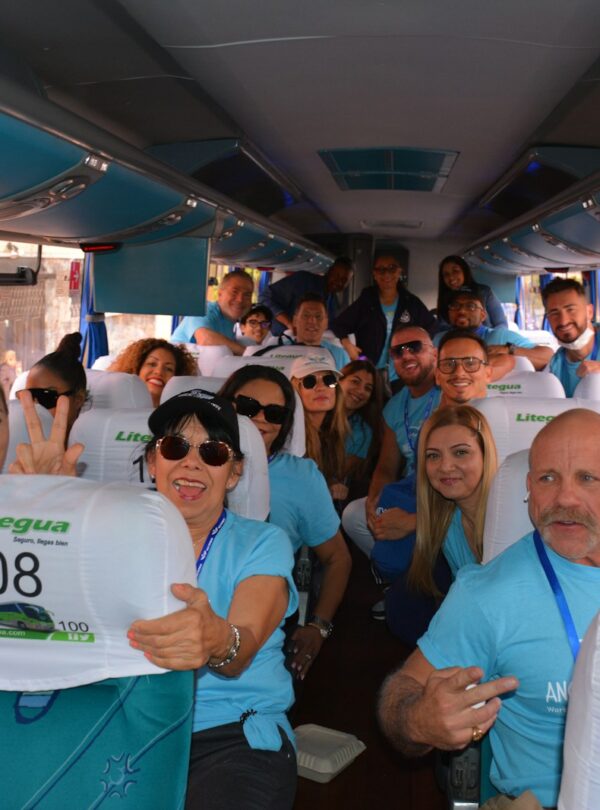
column 325, row 752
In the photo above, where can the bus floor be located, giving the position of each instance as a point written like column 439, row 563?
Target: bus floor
column 340, row 692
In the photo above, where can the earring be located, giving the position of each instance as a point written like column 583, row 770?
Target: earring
column 526, row 498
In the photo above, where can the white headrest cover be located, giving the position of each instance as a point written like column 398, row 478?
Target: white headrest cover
column 580, row 786
column 19, row 383
column 207, row 357
column 17, row 428
column 286, row 351
column 177, row 385
column 251, row 496
column 507, row 518
column 228, row 365
column 521, row 364
column 98, row 558
column 527, row 384
column 588, row 387
column 102, row 363
column 116, row 389
column 296, row 440
column 114, row 441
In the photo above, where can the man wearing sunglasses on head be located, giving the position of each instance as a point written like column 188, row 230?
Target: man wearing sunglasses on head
column 466, row 310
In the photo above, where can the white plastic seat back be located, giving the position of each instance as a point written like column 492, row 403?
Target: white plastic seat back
column 19, row 383
column 296, row 440
column 251, row 496
column 116, row 389
column 521, row 364
column 588, row 387
column 230, row 364
column 177, row 385
column 516, row 421
column 287, row 352
column 527, row 384
column 17, row 429
column 114, row 441
column 207, row 357
column 580, row 786
column 84, row 561
column 507, row 518
column 102, row 363
column 540, row 337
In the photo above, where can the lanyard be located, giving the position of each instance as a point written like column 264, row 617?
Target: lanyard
column 558, row 594
column 407, row 426
column 209, row 541
column 596, row 347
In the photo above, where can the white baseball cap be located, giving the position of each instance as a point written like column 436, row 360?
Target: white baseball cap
column 313, row 363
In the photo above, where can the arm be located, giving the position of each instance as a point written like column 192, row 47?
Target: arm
column 208, row 337
column 588, row 367
column 540, row 356
column 386, row 471
column 354, row 352
column 394, row 524
column 422, row 708
column 191, row 637
column 335, row 559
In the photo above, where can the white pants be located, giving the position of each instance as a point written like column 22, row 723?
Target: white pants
column 354, row 521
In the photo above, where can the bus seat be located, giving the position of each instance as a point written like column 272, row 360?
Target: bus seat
column 504, row 526
column 207, row 357
column 102, row 721
column 588, row 387
column 527, row 384
column 18, row 384
column 295, row 444
column 230, row 364
column 580, row 786
column 521, row 364
column 515, row 421
column 102, row 363
column 251, row 496
column 116, row 389
column 177, row 385
column 541, row 337
column 17, row 429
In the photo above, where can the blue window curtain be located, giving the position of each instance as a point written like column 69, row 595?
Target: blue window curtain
column 545, row 279
column 520, row 302
column 91, row 323
column 590, row 282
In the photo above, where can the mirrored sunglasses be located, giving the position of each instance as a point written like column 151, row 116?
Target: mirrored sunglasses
column 248, row 406
column 48, row 397
column 411, row 346
column 212, row 452
column 308, row 382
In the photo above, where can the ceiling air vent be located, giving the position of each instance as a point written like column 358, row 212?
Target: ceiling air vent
column 390, row 169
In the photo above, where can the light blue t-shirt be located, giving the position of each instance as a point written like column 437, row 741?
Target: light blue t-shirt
column 214, row 319
column 245, row 548
column 498, row 336
column 566, row 370
column 340, row 355
column 503, row 617
column 301, row 503
column 360, row 438
column 405, row 425
column 456, row 548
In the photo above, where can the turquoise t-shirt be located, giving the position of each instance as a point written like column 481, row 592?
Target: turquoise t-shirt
column 503, row 617
column 498, row 336
column 385, row 361
column 301, row 503
column 360, row 438
column 456, row 548
column 406, row 425
column 214, row 319
column 566, row 370
column 245, row 548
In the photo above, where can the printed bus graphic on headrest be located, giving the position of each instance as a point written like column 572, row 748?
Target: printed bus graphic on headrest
column 24, row 616
column 513, row 388
column 24, row 524
column 533, row 417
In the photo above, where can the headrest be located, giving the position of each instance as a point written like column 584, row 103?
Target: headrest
column 588, row 387
column 116, row 389
column 580, row 786
column 228, row 365
column 527, row 384
column 251, row 496
column 541, row 337
column 515, row 421
column 83, row 562
column 18, row 384
column 17, row 429
column 102, row 363
column 521, row 364
column 207, row 357
column 295, row 444
column 507, row 518
column 177, row 385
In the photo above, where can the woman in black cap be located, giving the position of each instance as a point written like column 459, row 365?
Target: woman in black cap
column 230, row 626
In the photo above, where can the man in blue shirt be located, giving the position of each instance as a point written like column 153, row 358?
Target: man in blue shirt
column 282, row 296
column 466, row 310
column 502, row 631
column 570, row 318
column 215, row 328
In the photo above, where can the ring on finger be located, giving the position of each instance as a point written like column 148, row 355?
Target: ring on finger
column 308, row 656
column 476, row 734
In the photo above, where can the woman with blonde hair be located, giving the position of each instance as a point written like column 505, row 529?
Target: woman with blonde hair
column 155, row 361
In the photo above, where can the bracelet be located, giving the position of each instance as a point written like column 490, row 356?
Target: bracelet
column 231, row 652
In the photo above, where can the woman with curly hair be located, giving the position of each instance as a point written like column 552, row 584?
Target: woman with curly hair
column 155, row 361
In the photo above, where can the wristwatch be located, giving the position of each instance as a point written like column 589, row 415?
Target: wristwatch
column 324, row 627
column 511, row 348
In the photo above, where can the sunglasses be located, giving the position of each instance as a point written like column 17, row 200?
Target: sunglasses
column 48, row 397
column 308, row 382
column 213, row 453
column 390, row 269
column 448, row 366
column 262, row 324
column 411, row 346
column 247, row 406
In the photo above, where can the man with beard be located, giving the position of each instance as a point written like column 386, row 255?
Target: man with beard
column 511, row 628
column 570, row 318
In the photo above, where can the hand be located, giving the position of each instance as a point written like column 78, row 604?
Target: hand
column 444, row 717
column 371, row 512
column 495, row 351
column 588, row 367
column 339, row 492
column 45, row 456
column 306, row 644
column 354, row 352
column 185, row 639
column 394, row 524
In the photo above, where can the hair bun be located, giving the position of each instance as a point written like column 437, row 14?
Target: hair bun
column 71, row 345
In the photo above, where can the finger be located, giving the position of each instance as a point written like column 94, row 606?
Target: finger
column 58, row 431
column 70, row 459
column 32, row 420
column 15, row 468
column 180, row 622
column 193, row 597
column 491, row 689
column 24, row 458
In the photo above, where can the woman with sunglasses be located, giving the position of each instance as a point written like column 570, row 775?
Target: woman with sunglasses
column 229, row 628
column 300, row 501
column 256, row 324
column 155, row 361
column 315, row 378
column 60, row 374
column 457, row 461
column 363, row 402
column 454, row 274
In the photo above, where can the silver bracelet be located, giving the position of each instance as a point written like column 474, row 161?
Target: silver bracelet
column 231, row 652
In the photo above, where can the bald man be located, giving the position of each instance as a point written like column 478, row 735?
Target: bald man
column 501, row 628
